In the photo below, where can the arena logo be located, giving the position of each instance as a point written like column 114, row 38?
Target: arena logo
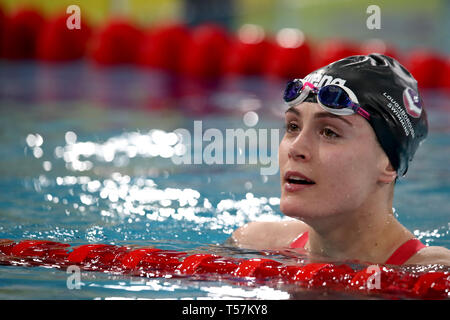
column 412, row 103
column 320, row 79
column 236, row 146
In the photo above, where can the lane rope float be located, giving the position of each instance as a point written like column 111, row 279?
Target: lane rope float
column 154, row 262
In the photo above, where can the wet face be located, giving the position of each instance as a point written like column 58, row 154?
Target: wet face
column 329, row 164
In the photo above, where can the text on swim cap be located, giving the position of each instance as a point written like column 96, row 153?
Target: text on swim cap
column 320, row 80
column 400, row 114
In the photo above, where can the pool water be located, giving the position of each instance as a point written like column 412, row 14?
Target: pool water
column 86, row 158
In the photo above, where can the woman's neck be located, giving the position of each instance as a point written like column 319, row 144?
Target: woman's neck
column 366, row 236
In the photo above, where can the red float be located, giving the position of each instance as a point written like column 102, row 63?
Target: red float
column 2, row 29
column 21, row 31
column 118, row 42
column 249, row 52
column 161, row 261
column 390, row 281
column 191, row 263
column 249, row 268
column 59, row 43
column 331, row 276
column 39, row 248
column 153, row 262
column 84, row 253
column 6, row 246
column 427, row 67
column 205, row 53
column 433, row 285
column 445, row 77
column 291, row 56
column 134, row 258
column 218, row 265
column 164, row 46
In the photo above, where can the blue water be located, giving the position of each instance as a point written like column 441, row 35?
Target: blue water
column 85, row 158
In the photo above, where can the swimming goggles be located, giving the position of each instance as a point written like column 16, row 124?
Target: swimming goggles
column 333, row 98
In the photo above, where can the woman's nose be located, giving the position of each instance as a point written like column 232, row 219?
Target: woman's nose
column 300, row 148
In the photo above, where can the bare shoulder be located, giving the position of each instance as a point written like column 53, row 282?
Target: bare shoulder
column 431, row 255
column 268, row 235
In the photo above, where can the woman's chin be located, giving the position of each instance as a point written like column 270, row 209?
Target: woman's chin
column 294, row 209
column 302, row 211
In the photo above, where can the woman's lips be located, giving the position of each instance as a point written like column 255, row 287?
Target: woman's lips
column 295, row 181
column 290, row 187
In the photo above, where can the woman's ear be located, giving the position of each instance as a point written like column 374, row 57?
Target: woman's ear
column 387, row 172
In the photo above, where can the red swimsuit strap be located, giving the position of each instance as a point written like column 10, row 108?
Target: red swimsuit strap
column 300, row 241
column 399, row 257
column 405, row 251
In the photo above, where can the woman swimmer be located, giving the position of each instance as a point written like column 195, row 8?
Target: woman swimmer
column 351, row 129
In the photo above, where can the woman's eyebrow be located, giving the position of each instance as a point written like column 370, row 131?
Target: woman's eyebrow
column 293, row 110
column 320, row 115
column 325, row 114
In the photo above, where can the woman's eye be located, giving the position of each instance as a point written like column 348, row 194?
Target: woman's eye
column 291, row 127
column 328, row 133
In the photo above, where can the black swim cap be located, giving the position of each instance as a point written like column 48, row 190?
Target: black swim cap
column 386, row 90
